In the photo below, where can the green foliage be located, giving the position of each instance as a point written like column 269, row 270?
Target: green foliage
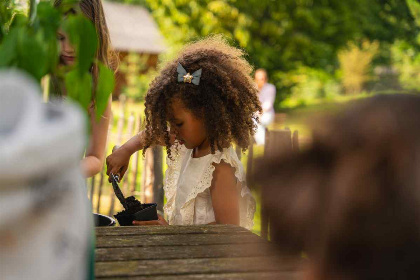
column 29, row 42
column 7, row 11
column 104, row 88
column 85, row 43
column 79, row 85
column 282, row 36
column 356, row 64
column 406, row 59
column 309, row 86
column 415, row 10
column 137, row 74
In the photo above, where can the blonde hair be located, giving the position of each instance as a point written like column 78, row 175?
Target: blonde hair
column 92, row 10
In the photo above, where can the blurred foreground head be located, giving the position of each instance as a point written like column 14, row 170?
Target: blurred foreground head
column 352, row 200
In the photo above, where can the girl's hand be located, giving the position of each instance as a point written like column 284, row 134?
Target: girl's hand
column 117, row 162
column 159, row 222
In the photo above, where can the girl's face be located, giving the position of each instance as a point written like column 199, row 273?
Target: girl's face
column 189, row 129
column 67, row 53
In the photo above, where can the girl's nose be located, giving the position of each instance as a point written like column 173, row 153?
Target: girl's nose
column 67, row 47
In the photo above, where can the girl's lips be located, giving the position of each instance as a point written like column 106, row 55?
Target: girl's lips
column 68, row 58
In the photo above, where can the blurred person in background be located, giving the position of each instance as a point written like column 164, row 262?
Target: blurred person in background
column 94, row 158
column 266, row 95
column 352, row 200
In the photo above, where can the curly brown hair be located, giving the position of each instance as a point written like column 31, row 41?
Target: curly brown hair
column 226, row 98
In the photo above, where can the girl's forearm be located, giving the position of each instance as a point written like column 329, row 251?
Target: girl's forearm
column 137, row 142
column 90, row 166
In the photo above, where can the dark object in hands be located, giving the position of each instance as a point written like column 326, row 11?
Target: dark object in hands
column 134, row 209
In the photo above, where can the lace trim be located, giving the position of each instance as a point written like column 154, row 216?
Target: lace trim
column 247, row 203
column 171, row 178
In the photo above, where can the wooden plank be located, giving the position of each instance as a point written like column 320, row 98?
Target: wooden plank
column 288, row 275
column 196, row 266
column 184, row 252
column 174, row 240
column 167, row 230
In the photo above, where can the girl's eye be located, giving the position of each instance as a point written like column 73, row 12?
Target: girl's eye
column 179, row 124
column 60, row 37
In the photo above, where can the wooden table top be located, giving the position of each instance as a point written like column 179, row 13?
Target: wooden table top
column 189, row 252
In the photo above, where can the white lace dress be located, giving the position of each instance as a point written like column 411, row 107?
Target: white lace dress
column 187, row 187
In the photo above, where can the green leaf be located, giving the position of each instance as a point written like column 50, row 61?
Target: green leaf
column 414, row 7
column 79, row 87
column 8, row 52
column 82, row 35
column 49, row 19
column 32, row 56
column 66, row 5
column 104, row 89
column 19, row 20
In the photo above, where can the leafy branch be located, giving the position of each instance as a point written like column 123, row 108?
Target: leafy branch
column 29, row 43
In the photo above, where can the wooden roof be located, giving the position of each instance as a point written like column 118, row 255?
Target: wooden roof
column 132, row 28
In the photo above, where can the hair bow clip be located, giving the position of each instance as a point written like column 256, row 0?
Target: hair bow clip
column 184, row 76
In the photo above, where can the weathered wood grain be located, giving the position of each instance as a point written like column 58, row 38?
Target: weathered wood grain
column 171, row 240
column 282, row 275
column 184, row 252
column 189, row 252
column 196, row 266
column 153, row 230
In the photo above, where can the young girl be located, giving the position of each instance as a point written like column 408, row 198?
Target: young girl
column 209, row 101
column 95, row 152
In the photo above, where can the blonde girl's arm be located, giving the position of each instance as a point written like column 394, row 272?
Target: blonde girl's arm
column 225, row 195
column 95, row 152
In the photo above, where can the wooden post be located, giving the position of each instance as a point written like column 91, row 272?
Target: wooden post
column 249, row 164
column 101, row 182
column 148, row 177
column 92, row 189
column 45, row 85
column 158, row 180
column 276, row 143
column 130, row 127
column 264, row 214
column 120, row 127
column 295, row 141
column 136, row 163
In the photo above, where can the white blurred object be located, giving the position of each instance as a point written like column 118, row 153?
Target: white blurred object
column 45, row 217
column 265, row 120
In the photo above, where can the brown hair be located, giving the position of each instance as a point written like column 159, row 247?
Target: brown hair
column 352, row 200
column 226, row 98
column 93, row 10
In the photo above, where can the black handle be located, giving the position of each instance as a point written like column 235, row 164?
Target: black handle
column 117, row 191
